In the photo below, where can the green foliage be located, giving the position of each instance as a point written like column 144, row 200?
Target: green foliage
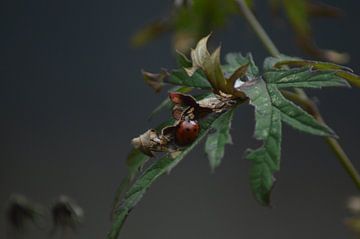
column 235, row 60
column 241, row 81
column 177, row 77
column 271, row 107
column 189, row 20
column 182, row 60
column 336, row 72
column 304, row 78
column 197, row 80
column 266, row 159
column 148, row 177
column 297, row 117
column 215, row 142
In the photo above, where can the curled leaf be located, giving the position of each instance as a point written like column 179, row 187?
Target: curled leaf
column 198, row 56
column 152, row 141
column 237, row 60
column 155, row 80
column 340, row 72
column 166, row 103
column 211, row 66
column 150, row 32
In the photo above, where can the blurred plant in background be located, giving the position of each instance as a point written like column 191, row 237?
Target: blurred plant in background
column 189, row 20
column 353, row 222
column 66, row 215
column 20, row 213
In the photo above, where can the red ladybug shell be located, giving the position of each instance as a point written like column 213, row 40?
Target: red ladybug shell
column 186, row 132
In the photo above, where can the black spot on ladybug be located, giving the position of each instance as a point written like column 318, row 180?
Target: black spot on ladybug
column 188, row 129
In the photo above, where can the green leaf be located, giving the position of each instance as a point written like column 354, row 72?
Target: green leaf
column 135, row 161
column 212, row 69
column 176, row 77
column 215, row 142
column 340, row 71
column 182, row 60
column 197, row 80
column 297, row 117
column 155, row 170
column 266, row 159
column 325, row 73
column 259, row 97
column 209, row 64
column 350, row 77
column 320, row 65
column 235, row 60
column 270, row 108
column 198, row 56
column 303, row 78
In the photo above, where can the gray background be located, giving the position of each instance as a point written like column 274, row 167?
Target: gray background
column 72, row 97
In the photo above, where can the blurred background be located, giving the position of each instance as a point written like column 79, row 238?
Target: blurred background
column 72, row 97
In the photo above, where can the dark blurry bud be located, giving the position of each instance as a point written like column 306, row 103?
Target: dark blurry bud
column 183, row 41
column 309, row 46
column 66, row 214
column 337, row 57
column 353, row 204
column 318, row 9
column 20, row 212
column 182, row 3
column 150, row 32
column 155, row 80
column 353, row 222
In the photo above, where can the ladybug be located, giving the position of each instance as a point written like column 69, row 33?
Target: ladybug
column 186, row 132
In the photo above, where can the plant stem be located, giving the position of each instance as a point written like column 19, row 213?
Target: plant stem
column 258, row 29
column 300, row 95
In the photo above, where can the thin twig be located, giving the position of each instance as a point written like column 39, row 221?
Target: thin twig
column 300, row 95
column 258, row 29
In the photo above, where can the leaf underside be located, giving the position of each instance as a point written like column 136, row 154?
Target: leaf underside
column 235, row 60
column 216, row 141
